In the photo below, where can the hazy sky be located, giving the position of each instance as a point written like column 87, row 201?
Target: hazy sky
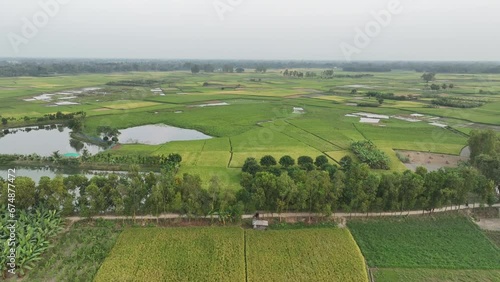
column 250, row 29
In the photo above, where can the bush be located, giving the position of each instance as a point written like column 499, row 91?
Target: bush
column 368, row 153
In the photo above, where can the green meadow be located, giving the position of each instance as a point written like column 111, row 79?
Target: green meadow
column 259, row 118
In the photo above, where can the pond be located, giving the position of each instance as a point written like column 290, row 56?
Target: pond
column 36, row 173
column 44, row 142
column 158, row 134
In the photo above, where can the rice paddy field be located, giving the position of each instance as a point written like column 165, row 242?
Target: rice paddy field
column 322, row 254
column 251, row 114
column 176, row 254
column 438, row 248
column 233, row 254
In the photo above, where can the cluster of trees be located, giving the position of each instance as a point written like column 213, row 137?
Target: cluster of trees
column 369, row 154
column 131, row 194
column 261, row 68
column 354, row 187
column 485, row 153
column 390, row 96
column 58, row 116
column 443, row 86
column 310, row 74
column 457, row 102
column 228, row 68
column 327, row 74
column 293, row 73
column 172, row 160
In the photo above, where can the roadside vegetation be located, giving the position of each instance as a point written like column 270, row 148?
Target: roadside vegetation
column 77, row 253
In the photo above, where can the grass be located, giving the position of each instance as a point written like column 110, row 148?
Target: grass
column 494, row 236
column 435, row 275
column 77, row 254
column 259, row 119
column 448, row 241
column 316, row 254
column 176, row 254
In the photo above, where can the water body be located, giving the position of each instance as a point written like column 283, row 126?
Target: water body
column 158, row 134
column 43, row 142
column 37, row 173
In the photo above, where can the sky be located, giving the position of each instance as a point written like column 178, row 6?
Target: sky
column 443, row 30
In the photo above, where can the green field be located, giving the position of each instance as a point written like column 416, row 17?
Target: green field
column 304, row 255
column 176, row 254
column 447, row 242
column 435, row 275
column 259, row 119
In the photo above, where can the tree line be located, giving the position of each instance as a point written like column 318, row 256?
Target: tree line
column 49, row 67
column 314, row 186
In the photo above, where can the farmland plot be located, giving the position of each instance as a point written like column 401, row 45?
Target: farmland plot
column 322, row 254
column 176, row 254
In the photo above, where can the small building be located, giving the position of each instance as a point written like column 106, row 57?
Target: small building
column 260, row 224
column 297, row 110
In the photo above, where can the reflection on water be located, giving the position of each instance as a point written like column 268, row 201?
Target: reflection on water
column 158, row 134
column 43, row 142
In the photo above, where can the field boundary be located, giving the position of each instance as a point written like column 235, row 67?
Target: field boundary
column 245, row 254
column 315, row 135
column 230, row 153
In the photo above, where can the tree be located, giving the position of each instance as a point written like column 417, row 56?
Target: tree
column 136, row 191
column 483, row 142
column 195, row 69
column 174, row 159
column 240, row 70
column 267, row 161
column 428, row 76
column 380, row 100
column 435, row 87
column 320, row 160
column 451, row 85
column 95, row 199
column 327, row 73
column 208, row 68
column 251, row 166
column 25, row 189
column 286, row 161
column 346, row 162
column 305, row 161
column 444, row 86
column 228, row 68
column 4, row 121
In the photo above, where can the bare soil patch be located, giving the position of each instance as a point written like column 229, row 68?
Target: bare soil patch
column 431, row 161
column 492, row 224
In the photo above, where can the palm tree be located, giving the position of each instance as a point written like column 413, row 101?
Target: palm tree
column 56, row 156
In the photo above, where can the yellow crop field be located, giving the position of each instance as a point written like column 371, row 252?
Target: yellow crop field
column 176, row 254
column 322, row 254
